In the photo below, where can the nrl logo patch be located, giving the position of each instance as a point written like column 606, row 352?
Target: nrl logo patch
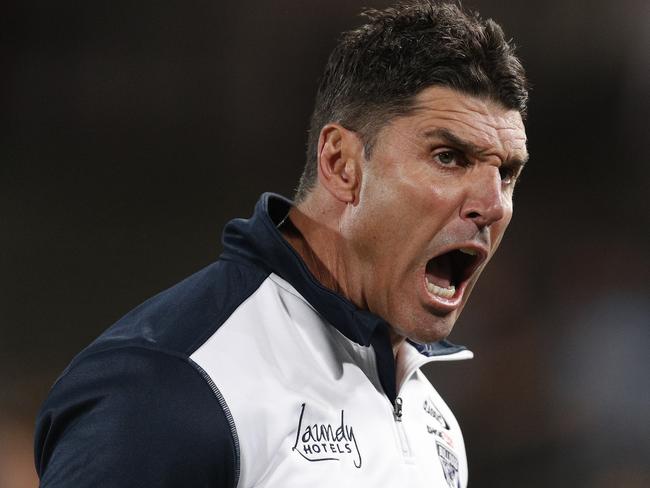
column 449, row 463
column 325, row 441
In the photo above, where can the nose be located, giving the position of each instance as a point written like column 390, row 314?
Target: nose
column 485, row 202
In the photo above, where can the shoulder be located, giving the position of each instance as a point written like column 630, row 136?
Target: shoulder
column 184, row 316
column 134, row 416
column 136, row 407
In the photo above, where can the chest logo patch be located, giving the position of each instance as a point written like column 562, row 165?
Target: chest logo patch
column 449, row 462
column 326, row 441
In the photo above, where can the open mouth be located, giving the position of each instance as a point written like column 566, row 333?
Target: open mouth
column 447, row 273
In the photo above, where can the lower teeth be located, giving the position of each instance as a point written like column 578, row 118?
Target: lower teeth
column 441, row 291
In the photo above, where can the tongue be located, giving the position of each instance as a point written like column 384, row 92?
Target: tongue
column 439, row 271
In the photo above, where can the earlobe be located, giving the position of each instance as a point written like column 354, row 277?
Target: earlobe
column 338, row 162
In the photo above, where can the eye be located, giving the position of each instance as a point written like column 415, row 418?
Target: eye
column 448, row 157
column 508, row 174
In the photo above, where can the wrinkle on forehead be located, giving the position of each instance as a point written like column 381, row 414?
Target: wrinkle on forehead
column 486, row 123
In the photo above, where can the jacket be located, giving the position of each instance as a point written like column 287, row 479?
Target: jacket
column 248, row 374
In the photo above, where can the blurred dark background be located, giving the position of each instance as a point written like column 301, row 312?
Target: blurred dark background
column 132, row 131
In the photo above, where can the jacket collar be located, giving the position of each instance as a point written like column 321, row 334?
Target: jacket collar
column 258, row 241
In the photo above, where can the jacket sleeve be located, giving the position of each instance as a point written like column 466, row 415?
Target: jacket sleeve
column 134, row 417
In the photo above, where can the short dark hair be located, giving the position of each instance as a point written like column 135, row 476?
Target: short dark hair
column 375, row 71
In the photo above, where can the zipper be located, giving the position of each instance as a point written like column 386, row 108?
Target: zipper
column 397, row 409
column 414, row 362
column 399, row 425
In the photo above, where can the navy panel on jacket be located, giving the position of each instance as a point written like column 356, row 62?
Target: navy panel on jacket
column 132, row 409
column 184, row 316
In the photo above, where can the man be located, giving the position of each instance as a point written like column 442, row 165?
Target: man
column 294, row 359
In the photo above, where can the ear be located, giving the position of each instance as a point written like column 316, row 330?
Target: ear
column 340, row 152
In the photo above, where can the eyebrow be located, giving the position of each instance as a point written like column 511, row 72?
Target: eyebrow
column 468, row 147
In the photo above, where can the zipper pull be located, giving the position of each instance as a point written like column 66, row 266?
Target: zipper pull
column 397, row 409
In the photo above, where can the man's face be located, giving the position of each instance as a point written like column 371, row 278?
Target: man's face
column 434, row 202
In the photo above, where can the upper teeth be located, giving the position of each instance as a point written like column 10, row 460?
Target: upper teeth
column 467, row 250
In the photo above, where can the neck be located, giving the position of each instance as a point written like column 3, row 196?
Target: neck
column 318, row 246
column 316, row 236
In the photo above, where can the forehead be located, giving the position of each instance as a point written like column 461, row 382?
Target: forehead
column 489, row 126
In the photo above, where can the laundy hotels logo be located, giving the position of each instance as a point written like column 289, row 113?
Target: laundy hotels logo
column 326, row 441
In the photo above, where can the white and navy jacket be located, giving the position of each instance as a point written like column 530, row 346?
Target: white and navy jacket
column 250, row 374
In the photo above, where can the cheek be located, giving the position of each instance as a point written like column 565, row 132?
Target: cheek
column 384, row 225
column 402, row 209
column 441, row 203
column 413, row 212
